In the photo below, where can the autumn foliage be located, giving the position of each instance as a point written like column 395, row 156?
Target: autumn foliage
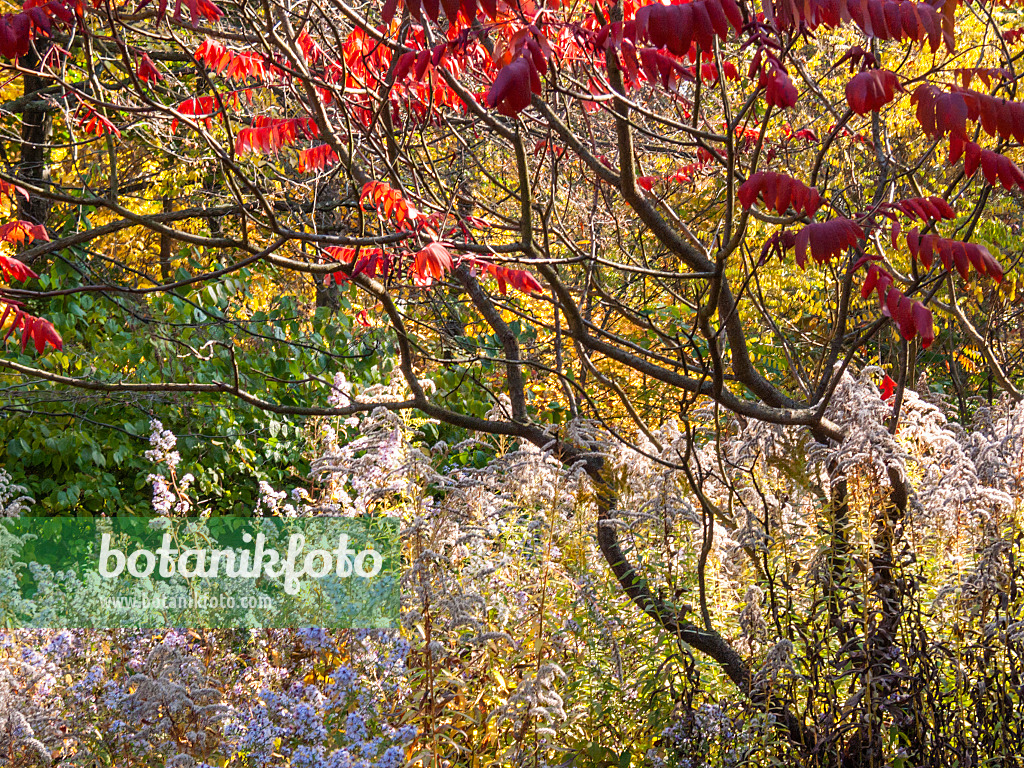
column 558, row 222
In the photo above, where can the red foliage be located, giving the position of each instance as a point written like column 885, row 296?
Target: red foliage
column 431, row 263
column 544, row 147
column 201, row 109
column 912, row 318
column 779, row 192
column 659, row 66
column 346, row 254
column 993, row 165
column 525, row 61
column 95, row 123
column 684, row 173
column 20, row 232
column 234, row 65
column 204, row 108
column 197, row 9
column 859, row 138
column 366, row 65
column 1013, row 35
column 774, row 78
column 311, row 51
column 925, row 208
column 985, row 74
column 806, row 134
column 527, row 56
column 709, row 72
column 519, row 279
column 416, row 62
column 998, row 117
column 12, row 269
column 776, row 245
column 677, row 27
column 317, row 158
column 513, row 87
column 370, row 261
column 887, row 387
column 389, row 202
column 954, row 254
column 432, row 9
column 883, row 19
column 147, row 71
column 18, row 29
column 268, row 135
column 940, row 113
column 40, row 331
column 826, row 239
column 9, row 189
column 871, row 90
column 779, row 89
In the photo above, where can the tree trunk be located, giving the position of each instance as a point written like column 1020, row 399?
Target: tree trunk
column 36, row 128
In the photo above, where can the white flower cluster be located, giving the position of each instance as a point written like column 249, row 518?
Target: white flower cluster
column 535, row 697
column 13, row 498
column 175, row 708
column 164, row 443
column 22, row 720
column 867, row 446
column 170, row 495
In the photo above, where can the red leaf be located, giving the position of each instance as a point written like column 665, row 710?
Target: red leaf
column 198, row 9
column 389, row 202
column 877, row 278
column 431, row 263
column 954, row 255
column 524, row 281
column 510, row 92
column 517, row 278
column 911, row 317
column 985, row 74
column 39, row 19
column 12, row 269
column 371, row 261
column 40, row 331
column 147, row 72
column 870, row 90
column 883, row 19
column 1013, row 35
column 779, row 89
column 9, row 189
column 675, row 26
column 779, row 191
column 661, row 67
column 826, row 239
column 940, row 113
column 923, row 324
column 22, row 232
column 887, row 387
column 926, row 208
column 994, row 166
